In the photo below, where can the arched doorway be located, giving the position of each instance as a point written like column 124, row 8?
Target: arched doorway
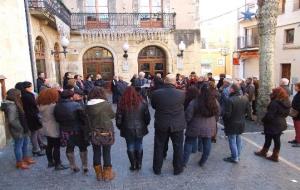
column 152, row 60
column 98, row 60
column 57, row 63
column 39, row 49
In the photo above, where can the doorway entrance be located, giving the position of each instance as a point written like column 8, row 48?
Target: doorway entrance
column 98, row 60
column 286, row 71
column 39, row 50
column 152, row 60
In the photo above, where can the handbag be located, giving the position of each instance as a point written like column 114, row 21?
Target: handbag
column 294, row 112
column 102, row 137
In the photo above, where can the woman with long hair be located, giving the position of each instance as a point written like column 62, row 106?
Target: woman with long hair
column 100, row 113
column 33, row 119
column 46, row 101
column 201, row 119
column 14, row 112
column 275, row 122
column 132, row 119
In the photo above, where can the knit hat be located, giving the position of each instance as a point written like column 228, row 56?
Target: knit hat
column 27, row 84
column 66, row 94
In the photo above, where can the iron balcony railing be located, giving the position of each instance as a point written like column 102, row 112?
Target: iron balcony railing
column 51, row 8
column 129, row 20
column 248, row 42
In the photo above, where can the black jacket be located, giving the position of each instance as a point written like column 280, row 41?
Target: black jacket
column 88, row 86
column 39, row 83
column 274, row 120
column 100, row 83
column 236, row 107
column 31, row 111
column 133, row 124
column 296, row 105
column 168, row 103
column 69, row 115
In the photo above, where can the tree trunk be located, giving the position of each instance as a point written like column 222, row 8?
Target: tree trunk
column 267, row 21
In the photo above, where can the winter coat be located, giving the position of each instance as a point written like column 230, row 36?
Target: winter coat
column 121, row 87
column 88, row 86
column 236, row 106
column 15, row 124
column 100, row 114
column 275, row 119
column 198, row 125
column 100, row 83
column 68, row 114
column 250, row 91
column 50, row 126
column 296, row 105
column 168, row 103
column 31, row 111
column 140, row 82
column 40, row 82
column 133, row 123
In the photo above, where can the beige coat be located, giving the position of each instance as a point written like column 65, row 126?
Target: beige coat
column 50, row 126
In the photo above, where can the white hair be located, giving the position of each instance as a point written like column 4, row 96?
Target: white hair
column 170, row 79
column 284, row 81
column 141, row 74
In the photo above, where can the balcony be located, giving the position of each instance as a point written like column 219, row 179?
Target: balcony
column 248, row 42
column 92, row 21
column 48, row 9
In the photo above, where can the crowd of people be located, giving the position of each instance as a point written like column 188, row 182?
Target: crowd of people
column 187, row 110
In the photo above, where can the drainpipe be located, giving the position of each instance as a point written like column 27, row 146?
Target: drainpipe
column 29, row 38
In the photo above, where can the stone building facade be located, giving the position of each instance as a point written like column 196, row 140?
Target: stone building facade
column 97, row 30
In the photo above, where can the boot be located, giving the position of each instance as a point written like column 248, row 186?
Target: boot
column 132, row 160
column 22, row 165
column 99, row 172
column 71, row 159
column 84, row 161
column 262, row 153
column 275, row 156
column 139, row 158
column 108, row 173
column 29, row 161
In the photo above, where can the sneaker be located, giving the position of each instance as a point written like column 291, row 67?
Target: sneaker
column 231, row 160
column 61, row 167
column 296, row 145
column 293, row 141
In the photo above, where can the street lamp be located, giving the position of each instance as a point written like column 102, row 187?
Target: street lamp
column 224, row 52
column 181, row 47
column 64, row 43
column 125, row 49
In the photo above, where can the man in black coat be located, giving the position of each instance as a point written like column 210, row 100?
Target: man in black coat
column 168, row 103
column 40, row 81
column 236, row 107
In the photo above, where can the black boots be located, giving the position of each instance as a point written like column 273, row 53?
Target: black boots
column 135, row 158
column 132, row 160
column 139, row 159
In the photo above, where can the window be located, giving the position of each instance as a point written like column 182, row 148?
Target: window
column 150, row 6
column 282, row 6
column 289, row 36
column 96, row 6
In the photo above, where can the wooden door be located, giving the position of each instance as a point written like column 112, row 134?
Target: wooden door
column 152, row 60
column 286, row 71
column 98, row 60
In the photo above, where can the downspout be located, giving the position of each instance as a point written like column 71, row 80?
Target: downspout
column 29, row 38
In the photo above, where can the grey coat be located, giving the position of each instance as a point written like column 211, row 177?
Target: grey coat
column 14, row 124
column 198, row 125
column 50, row 126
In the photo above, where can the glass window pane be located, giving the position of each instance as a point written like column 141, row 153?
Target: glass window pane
column 156, row 3
column 159, row 66
column 145, row 67
column 144, row 3
column 103, row 10
column 90, row 3
column 102, row 2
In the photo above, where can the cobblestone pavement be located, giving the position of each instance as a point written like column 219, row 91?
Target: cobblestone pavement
column 252, row 173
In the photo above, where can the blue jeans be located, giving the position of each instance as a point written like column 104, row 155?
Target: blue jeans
column 20, row 148
column 134, row 144
column 235, row 145
column 188, row 147
column 197, row 146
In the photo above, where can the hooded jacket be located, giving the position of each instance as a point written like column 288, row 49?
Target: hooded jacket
column 15, row 125
column 275, row 119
